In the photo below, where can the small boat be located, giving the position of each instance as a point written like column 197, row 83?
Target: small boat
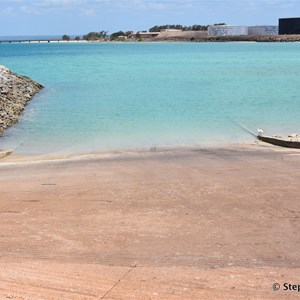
column 278, row 141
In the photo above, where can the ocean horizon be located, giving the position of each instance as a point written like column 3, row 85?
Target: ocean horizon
column 114, row 96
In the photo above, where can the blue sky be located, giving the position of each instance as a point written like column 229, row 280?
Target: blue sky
column 50, row 17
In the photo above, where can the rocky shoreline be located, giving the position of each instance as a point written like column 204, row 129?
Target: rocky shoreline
column 246, row 38
column 15, row 92
column 258, row 39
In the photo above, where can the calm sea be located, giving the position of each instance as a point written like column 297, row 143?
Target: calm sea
column 122, row 96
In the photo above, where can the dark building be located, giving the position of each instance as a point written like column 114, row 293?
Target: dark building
column 289, row 26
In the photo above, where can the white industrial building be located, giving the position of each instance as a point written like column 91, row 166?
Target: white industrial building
column 229, row 30
column 224, row 30
column 263, row 30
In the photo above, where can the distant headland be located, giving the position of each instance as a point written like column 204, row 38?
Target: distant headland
column 287, row 30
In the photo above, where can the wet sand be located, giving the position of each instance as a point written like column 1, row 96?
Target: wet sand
column 215, row 223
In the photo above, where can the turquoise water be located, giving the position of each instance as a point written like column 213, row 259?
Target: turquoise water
column 122, row 96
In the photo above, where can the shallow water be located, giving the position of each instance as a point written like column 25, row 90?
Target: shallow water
column 121, row 95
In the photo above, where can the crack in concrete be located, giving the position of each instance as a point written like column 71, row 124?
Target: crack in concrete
column 116, row 284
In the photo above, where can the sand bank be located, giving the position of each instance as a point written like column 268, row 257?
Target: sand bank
column 190, row 224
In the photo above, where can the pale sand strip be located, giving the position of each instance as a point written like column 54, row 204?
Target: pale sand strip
column 194, row 224
column 10, row 157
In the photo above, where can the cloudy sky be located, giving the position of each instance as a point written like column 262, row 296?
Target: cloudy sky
column 51, row 17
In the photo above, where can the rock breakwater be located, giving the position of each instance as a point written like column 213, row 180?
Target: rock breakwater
column 15, row 92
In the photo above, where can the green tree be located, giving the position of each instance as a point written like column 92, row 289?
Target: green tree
column 65, row 37
column 94, row 36
column 103, row 34
column 77, row 38
column 117, row 34
column 157, row 28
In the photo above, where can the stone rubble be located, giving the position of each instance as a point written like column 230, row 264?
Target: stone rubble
column 15, row 92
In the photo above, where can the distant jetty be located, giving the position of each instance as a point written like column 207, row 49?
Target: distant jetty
column 38, row 41
column 29, row 41
column 15, row 92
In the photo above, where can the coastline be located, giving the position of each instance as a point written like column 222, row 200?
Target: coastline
column 8, row 156
column 208, row 39
column 186, row 224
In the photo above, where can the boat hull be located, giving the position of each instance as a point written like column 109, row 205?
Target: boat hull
column 279, row 142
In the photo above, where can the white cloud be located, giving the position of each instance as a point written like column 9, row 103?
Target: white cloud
column 28, row 10
column 57, row 3
column 90, row 12
column 25, row 9
column 91, row 7
column 8, row 11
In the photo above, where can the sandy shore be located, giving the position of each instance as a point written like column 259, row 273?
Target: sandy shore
column 187, row 224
